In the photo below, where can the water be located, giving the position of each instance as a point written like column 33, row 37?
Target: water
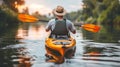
column 25, row 48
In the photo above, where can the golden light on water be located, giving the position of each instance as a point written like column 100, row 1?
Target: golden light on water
column 93, row 53
column 37, row 32
column 32, row 32
column 20, row 33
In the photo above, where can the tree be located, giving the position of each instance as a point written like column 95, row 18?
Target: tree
column 13, row 3
column 103, row 11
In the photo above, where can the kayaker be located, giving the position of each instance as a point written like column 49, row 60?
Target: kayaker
column 60, row 26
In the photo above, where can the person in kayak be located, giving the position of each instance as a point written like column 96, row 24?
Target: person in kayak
column 60, row 26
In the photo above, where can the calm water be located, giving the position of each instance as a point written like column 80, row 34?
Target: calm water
column 24, row 47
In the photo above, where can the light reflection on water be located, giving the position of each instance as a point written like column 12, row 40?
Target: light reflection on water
column 33, row 31
column 30, row 52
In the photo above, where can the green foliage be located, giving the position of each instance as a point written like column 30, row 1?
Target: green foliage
column 103, row 16
column 117, row 20
column 74, row 16
column 110, row 13
column 90, row 19
column 7, row 17
column 105, row 11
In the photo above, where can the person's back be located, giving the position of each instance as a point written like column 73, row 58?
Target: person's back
column 59, row 26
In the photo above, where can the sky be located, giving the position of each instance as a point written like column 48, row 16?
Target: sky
column 46, row 6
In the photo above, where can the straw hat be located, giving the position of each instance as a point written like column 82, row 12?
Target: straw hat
column 59, row 11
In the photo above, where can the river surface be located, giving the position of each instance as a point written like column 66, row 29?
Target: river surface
column 27, row 49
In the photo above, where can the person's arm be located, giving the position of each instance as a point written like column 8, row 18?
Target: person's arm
column 71, row 27
column 48, row 27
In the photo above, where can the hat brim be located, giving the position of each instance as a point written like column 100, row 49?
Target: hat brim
column 59, row 14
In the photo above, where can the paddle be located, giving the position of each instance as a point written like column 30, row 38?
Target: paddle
column 91, row 27
column 29, row 18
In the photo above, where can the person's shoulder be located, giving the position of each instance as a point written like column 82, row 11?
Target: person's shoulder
column 52, row 20
column 68, row 21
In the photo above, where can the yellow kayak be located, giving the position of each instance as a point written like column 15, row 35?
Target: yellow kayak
column 59, row 49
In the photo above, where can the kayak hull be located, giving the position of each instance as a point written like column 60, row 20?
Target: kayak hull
column 59, row 49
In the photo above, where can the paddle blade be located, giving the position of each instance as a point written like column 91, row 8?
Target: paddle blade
column 27, row 18
column 91, row 27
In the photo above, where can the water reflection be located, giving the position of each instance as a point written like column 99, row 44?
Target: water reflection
column 21, row 59
column 14, row 57
column 7, row 36
column 32, row 31
column 30, row 51
column 108, row 34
